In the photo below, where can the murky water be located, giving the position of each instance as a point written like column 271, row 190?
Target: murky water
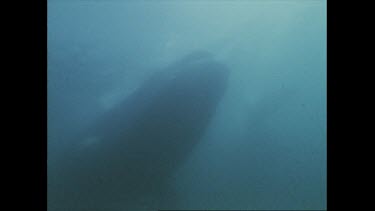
column 256, row 140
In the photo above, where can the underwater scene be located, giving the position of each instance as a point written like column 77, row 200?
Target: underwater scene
column 186, row 105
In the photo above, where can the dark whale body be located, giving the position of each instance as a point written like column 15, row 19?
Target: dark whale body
column 145, row 138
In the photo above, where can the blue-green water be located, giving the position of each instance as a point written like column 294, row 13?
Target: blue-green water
column 265, row 147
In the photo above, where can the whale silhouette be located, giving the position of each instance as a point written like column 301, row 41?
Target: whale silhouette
column 133, row 149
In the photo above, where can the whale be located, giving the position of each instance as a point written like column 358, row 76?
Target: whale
column 132, row 150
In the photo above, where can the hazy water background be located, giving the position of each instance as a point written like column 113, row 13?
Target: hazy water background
column 265, row 149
